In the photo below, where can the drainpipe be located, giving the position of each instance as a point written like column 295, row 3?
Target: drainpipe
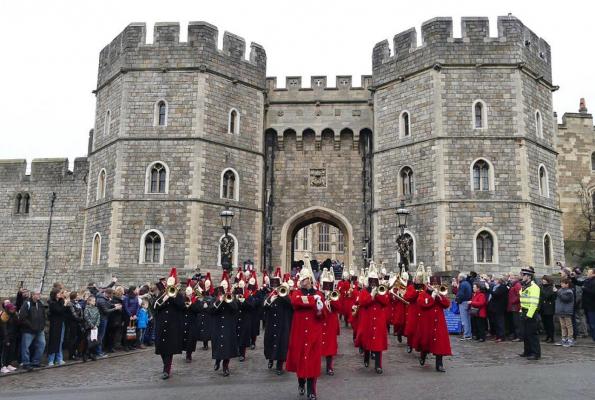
column 47, row 242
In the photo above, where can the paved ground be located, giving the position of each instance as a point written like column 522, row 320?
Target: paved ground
column 477, row 370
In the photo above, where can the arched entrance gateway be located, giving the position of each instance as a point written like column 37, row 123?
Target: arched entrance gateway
column 308, row 217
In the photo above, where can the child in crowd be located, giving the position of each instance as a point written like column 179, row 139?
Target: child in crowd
column 92, row 318
column 142, row 321
column 564, row 311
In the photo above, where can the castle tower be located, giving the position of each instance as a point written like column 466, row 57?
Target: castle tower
column 178, row 134
column 464, row 130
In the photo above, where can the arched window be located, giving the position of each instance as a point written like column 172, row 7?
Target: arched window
column 544, row 189
column 101, row 185
column 340, row 241
column 593, row 161
column 547, row 250
column 107, row 122
column 481, row 175
column 593, row 201
column 484, row 247
column 157, row 180
column 411, row 243
column 479, row 113
column 96, row 249
column 406, row 176
column 151, row 247
column 19, row 203
column 305, row 245
column 161, row 113
column 234, row 121
column 404, row 124
column 230, row 185
column 538, row 124
column 26, row 201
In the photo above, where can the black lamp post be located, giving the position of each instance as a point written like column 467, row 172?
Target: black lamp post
column 227, row 244
column 403, row 243
column 365, row 255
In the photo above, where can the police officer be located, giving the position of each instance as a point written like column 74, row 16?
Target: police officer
column 529, row 303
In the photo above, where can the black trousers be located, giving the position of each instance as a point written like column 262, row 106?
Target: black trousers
column 310, row 384
column 167, row 361
column 532, row 347
column 478, row 327
column 498, row 325
column 548, row 325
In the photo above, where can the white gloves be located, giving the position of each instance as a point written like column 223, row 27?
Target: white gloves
column 319, row 304
column 434, row 294
column 205, row 305
column 317, row 297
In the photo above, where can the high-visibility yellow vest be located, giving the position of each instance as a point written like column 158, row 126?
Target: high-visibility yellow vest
column 530, row 299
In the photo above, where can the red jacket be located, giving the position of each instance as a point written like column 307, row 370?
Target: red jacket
column 372, row 334
column 514, row 297
column 413, row 314
column 479, row 300
column 304, row 351
column 398, row 315
column 354, row 319
column 432, row 333
column 330, row 330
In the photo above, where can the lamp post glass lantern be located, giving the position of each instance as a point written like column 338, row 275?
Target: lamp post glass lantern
column 403, row 242
column 227, row 243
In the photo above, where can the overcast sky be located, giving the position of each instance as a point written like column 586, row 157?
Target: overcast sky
column 49, row 50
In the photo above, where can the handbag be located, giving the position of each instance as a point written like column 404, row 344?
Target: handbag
column 131, row 331
column 474, row 311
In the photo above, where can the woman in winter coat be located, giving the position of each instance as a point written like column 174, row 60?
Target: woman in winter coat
column 91, row 319
column 74, row 326
column 479, row 320
column 58, row 312
column 547, row 307
column 8, row 337
column 497, row 308
column 113, row 336
column 131, row 306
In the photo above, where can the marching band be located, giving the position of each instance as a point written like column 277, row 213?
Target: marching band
column 301, row 318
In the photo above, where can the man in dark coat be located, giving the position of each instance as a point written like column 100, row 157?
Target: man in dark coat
column 224, row 336
column 32, row 320
column 497, row 308
column 246, row 309
column 278, row 315
column 169, row 325
column 202, row 326
column 189, row 317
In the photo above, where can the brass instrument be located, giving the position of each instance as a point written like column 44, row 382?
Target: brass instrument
column 172, row 290
column 354, row 309
column 283, row 290
column 198, row 293
column 228, row 298
column 334, row 296
column 395, row 292
column 382, row 290
column 443, row 290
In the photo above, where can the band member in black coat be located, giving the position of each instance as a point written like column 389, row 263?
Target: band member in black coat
column 202, row 325
column 246, row 306
column 278, row 315
column 189, row 341
column 256, row 313
column 224, row 338
column 169, row 324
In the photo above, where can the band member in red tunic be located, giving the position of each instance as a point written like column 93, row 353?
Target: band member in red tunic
column 398, row 315
column 330, row 326
column 432, row 332
column 372, row 334
column 303, row 356
column 344, row 304
column 413, row 312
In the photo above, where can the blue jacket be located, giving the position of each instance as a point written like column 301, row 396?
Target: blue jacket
column 142, row 319
column 464, row 293
column 131, row 305
column 565, row 302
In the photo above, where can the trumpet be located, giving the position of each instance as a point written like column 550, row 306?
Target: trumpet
column 282, row 291
column 198, row 293
column 443, row 290
column 228, row 298
column 172, row 290
column 334, row 296
column 382, row 290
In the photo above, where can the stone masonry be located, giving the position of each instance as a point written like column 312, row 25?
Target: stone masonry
column 300, row 155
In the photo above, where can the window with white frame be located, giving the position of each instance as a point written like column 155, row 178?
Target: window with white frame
column 161, row 111
column 538, row 124
column 96, row 249
column 151, row 247
column 101, row 182
column 324, row 242
column 405, row 124
column 234, row 121
column 485, row 247
column 479, row 113
column 157, row 180
column 547, row 250
column 407, row 181
column 544, row 189
column 230, row 182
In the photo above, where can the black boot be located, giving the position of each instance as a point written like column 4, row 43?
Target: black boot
column 439, row 365
column 422, row 359
column 301, row 386
column 400, row 338
column 378, row 362
column 217, row 365
column 270, row 365
column 366, row 359
column 225, row 367
column 279, row 367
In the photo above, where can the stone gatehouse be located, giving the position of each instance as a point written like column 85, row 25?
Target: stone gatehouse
column 461, row 128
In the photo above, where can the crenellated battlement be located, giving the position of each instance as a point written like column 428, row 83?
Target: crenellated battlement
column 129, row 50
column 43, row 170
column 318, row 82
column 514, row 44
